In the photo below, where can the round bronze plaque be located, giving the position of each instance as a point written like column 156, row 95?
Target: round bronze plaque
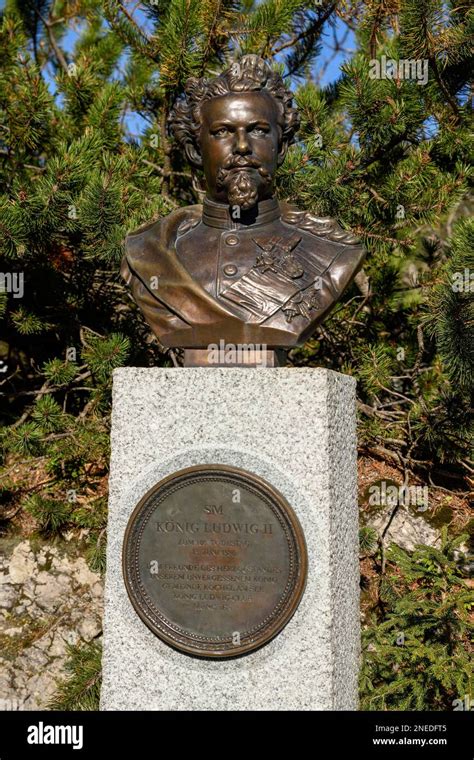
column 214, row 561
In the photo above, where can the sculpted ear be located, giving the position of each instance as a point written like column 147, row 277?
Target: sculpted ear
column 193, row 155
column 282, row 152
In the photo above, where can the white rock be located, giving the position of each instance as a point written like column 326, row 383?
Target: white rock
column 37, row 658
column 71, row 637
column 45, row 642
column 59, row 581
column 29, row 589
column 40, row 688
column 19, row 681
column 83, row 574
column 12, row 631
column 97, row 590
column 89, row 628
column 50, row 595
column 62, row 564
column 22, row 563
column 8, row 595
column 58, row 647
column 406, row 528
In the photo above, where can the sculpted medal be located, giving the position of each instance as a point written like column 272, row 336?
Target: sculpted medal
column 214, row 561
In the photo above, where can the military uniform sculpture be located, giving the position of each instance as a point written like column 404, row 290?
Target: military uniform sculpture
column 242, row 268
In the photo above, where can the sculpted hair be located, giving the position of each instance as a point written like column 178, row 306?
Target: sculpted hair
column 249, row 74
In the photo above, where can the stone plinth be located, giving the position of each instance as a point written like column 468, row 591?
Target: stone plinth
column 296, row 429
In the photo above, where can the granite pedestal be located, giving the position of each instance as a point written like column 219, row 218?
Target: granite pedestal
column 296, row 429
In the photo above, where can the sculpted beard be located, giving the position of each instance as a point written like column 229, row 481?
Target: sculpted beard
column 236, row 178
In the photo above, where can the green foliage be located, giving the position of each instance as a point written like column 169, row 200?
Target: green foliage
column 367, row 539
column 417, row 657
column 270, row 19
column 27, row 323
column 24, row 439
column 93, row 515
column 451, row 308
column 96, row 553
column 52, row 515
column 48, row 414
column 81, row 690
column 375, row 366
column 59, row 372
column 103, row 355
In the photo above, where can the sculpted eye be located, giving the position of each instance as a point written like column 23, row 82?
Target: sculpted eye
column 259, row 131
column 221, row 132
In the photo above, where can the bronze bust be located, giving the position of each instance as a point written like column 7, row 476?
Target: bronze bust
column 242, row 268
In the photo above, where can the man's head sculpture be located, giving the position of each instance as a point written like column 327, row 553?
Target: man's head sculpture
column 237, row 127
column 242, row 268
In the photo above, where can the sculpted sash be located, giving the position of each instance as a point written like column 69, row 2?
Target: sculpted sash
column 150, row 255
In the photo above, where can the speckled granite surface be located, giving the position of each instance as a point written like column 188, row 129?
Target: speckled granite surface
column 296, row 429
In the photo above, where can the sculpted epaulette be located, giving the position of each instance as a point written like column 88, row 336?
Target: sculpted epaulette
column 188, row 224
column 322, row 226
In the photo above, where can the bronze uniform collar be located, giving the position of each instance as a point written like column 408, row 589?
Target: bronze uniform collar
column 219, row 214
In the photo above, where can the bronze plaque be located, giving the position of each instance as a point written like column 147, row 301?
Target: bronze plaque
column 214, row 561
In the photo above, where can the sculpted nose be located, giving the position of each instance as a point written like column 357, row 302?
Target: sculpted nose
column 241, row 144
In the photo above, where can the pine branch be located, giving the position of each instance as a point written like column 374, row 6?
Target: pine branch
column 48, row 23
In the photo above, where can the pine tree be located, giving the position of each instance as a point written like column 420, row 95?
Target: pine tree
column 80, row 689
column 419, row 656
